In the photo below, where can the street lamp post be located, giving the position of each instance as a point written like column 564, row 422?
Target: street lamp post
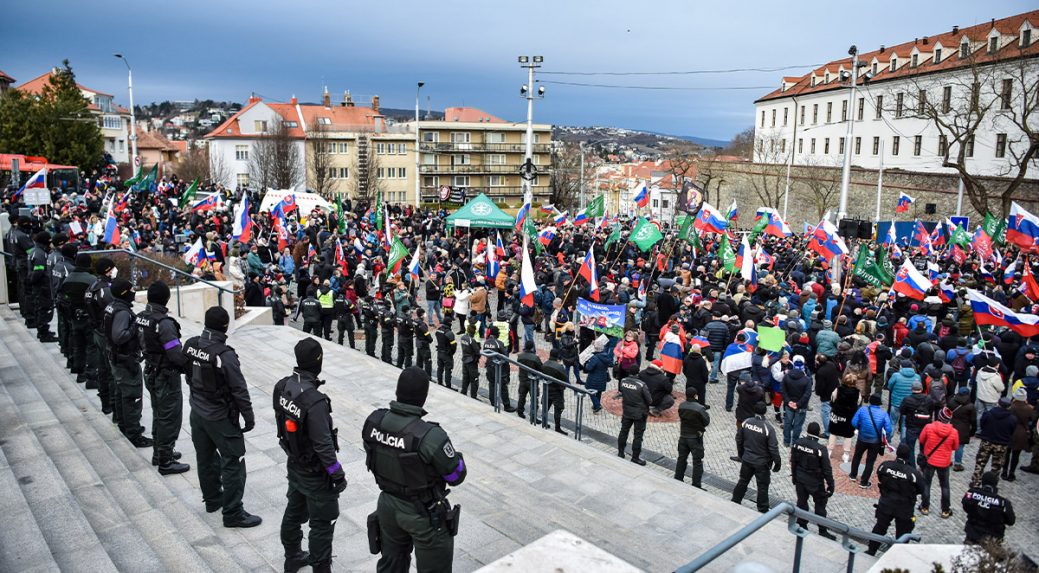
column 842, row 209
column 528, row 92
column 418, row 174
column 133, row 117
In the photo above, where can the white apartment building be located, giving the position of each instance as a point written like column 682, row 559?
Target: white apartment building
column 984, row 76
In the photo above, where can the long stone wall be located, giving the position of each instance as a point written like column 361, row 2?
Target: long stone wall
column 738, row 181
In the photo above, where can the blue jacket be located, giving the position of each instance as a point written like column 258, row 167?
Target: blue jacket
column 861, row 422
column 997, row 426
column 288, row 266
column 598, row 369
column 901, row 385
column 826, row 342
column 918, row 318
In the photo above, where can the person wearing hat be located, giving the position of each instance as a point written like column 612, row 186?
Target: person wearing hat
column 694, row 421
column 37, row 281
column 812, row 474
column 757, row 448
column 19, row 243
column 938, row 441
column 901, row 385
column 163, row 362
column 635, row 402
column 387, row 328
column 310, row 308
column 988, row 384
column 988, row 513
column 598, row 369
column 530, row 359
column 73, row 290
column 405, row 336
column 219, row 402
column 498, row 369
column 997, row 428
column 694, row 367
column 1024, row 413
column 965, row 421
column 875, row 430
column 900, row 484
column 917, row 410
column 796, row 389
column 97, row 298
column 124, row 347
column 413, row 462
column 303, row 416
column 59, row 265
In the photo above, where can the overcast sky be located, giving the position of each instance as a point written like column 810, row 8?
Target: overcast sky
column 466, row 51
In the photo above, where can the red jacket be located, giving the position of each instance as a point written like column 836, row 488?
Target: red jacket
column 931, row 436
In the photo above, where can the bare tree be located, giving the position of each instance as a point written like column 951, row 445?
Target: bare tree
column 681, row 161
column 319, row 162
column 823, row 180
column 219, row 171
column 367, row 184
column 988, row 95
column 769, row 178
column 198, row 163
column 708, row 170
column 274, row 161
column 742, row 144
column 566, row 175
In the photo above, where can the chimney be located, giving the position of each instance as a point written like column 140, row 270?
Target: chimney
column 293, row 101
column 375, row 103
column 347, row 100
column 255, row 98
column 915, row 41
column 882, row 48
column 327, row 100
column 955, row 29
column 925, row 40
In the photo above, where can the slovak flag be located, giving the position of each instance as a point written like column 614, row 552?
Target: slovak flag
column 286, row 205
column 776, row 226
column 826, row 241
column 527, row 284
column 37, row 181
column 413, row 268
column 743, row 256
column 283, row 233
column 765, row 259
column 196, row 254
column 904, row 201
column 890, row 238
column 498, row 246
column 1010, row 272
column 923, row 238
column 946, row 292
column 547, row 209
column 1028, row 285
column 493, row 268
column 985, row 273
column 1023, row 228
column 642, row 199
column 932, row 270
column 709, row 220
column 733, row 211
column 521, row 216
column 988, row 311
column 590, row 274
column 581, row 218
column 546, row 235
column 560, row 218
column 112, row 235
column 206, row 204
column 911, row 283
column 243, row 223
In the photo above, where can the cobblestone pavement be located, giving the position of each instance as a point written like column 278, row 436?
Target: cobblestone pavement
column 850, row 504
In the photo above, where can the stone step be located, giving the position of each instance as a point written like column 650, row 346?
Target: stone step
column 20, row 534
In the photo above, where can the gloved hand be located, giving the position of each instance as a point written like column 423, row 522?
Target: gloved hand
column 249, row 425
column 829, row 491
column 775, row 467
column 339, row 482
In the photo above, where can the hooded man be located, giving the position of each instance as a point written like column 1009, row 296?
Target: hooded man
column 96, row 299
column 39, row 288
column 73, row 291
column 120, row 327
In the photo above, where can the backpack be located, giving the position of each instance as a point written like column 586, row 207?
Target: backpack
column 959, row 364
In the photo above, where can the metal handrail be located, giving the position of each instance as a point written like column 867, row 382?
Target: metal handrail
column 851, row 538
column 541, row 380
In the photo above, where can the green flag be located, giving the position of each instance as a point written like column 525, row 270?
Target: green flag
column 378, row 212
column 1000, row 238
column 886, row 265
column 645, row 234
column 726, row 254
column 397, row 253
column 339, row 216
column 145, row 183
column 133, row 180
column 684, row 224
column 759, row 228
column 614, row 236
column 959, row 237
column 189, row 194
column 532, row 232
column 597, row 207
column 867, row 269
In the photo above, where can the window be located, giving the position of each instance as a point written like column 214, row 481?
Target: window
column 461, row 159
column 429, row 159
column 862, row 107
column 921, row 103
column 537, row 181
column 826, row 146
column 993, row 44
column 291, row 124
column 1026, row 39
column 664, row 203
column 914, row 60
column 494, row 137
column 800, row 145
column 1005, row 94
column 431, row 181
column 802, row 115
column 965, row 49
column 946, row 99
column 815, row 113
column 242, row 179
column 786, row 112
column 827, row 77
column 380, row 149
column 762, row 118
column 899, row 108
column 811, row 146
column 894, row 63
column 460, row 181
column 343, row 146
column 496, row 159
column 122, row 145
column 829, row 111
column 111, row 122
column 943, row 145
column 880, row 106
column 841, row 147
column 969, row 147
column 324, row 121
column 402, row 149
column 894, row 144
column 937, row 55
column 782, row 146
column 813, row 81
column 1001, row 144
column 918, row 141
column 537, row 138
column 496, row 181
column 344, row 173
column 241, row 152
column 876, row 145
column 460, row 137
column 260, row 126
column 844, row 110
column 858, row 145
column 773, row 118
column 430, row 137
column 380, row 173
column 873, row 69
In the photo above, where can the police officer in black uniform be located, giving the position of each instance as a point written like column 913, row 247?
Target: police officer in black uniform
column 497, row 368
column 555, row 374
column 470, row 361
column 73, row 292
column 38, row 283
column 988, row 513
column 303, row 415
column 405, row 337
column 219, row 397
column 345, row 311
column 164, row 361
column 812, row 475
column 635, row 399
column 694, row 420
column 423, row 341
column 59, row 265
column 387, row 324
column 20, row 244
column 758, row 450
column 447, row 344
column 310, row 308
column 99, row 368
column 900, row 484
column 413, row 461
column 530, row 359
column 124, row 349
column 370, row 322
column 277, row 305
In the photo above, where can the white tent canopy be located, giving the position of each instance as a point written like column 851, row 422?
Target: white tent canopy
column 305, row 201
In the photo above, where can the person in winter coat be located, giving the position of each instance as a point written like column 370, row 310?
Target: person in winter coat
column 845, row 403
column 598, row 370
column 568, row 352
column 997, row 429
column 827, row 340
column 694, row 367
column 827, row 378
column 874, row 426
column 917, row 410
column 796, row 389
column 660, row 387
column 749, row 394
column 626, row 355
column 965, row 420
column 1030, row 383
column 461, row 307
column 718, row 334
column 938, row 441
column 989, row 386
column 1024, row 413
column 901, row 386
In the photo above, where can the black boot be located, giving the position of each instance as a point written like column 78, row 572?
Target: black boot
column 296, row 559
column 243, row 519
column 561, row 430
column 169, row 466
column 155, row 457
column 323, row 567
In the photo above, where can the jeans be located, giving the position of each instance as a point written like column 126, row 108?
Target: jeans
column 871, row 451
column 793, row 421
column 943, row 481
column 528, row 333
column 898, row 423
column 577, row 372
column 433, row 309
column 957, row 458
column 910, row 437
column 824, row 412
column 730, row 388
column 716, row 363
column 596, row 396
column 983, row 407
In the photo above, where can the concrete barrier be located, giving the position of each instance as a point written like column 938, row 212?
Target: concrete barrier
column 191, row 302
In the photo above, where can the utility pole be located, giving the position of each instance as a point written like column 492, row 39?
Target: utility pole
column 133, row 117
column 880, row 179
column 959, row 199
column 527, row 172
column 418, row 198
column 842, row 209
column 581, row 188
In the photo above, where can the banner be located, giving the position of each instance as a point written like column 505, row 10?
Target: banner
column 605, row 318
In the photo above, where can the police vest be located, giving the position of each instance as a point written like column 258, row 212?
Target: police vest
column 148, row 328
column 291, row 417
column 394, row 460
column 326, row 299
column 127, row 348
column 207, row 379
column 808, row 459
column 95, row 302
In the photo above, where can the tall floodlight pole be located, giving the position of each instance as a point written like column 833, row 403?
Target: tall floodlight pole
column 418, row 199
column 133, row 117
column 528, row 171
column 842, row 209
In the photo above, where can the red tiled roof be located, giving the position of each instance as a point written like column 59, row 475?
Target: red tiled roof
column 180, row 145
column 341, row 117
column 1010, row 26
column 35, row 85
column 153, row 140
column 6, row 77
column 470, row 115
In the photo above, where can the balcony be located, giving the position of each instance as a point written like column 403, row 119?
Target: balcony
column 512, row 195
column 477, row 169
column 431, row 147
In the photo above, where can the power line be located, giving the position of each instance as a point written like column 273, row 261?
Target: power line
column 679, row 88
column 682, row 73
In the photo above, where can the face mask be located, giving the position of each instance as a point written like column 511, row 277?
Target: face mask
column 114, row 273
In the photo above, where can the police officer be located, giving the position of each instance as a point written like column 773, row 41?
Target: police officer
column 497, row 369
column 413, row 461
column 20, row 244
column 694, row 421
column 812, row 475
column 345, row 310
column 124, row 347
column 555, row 375
column 758, row 449
column 163, row 362
column 988, row 513
column 370, row 322
column 59, row 265
column 446, row 346
column 277, row 305
column 97, row 299
column 635, row 399
column 310, row 308
column 530, row 359
column 405, row 337
column 900, row 484
column 387, row 326
column 327, row 299
column 423, row 341
column 303, row 415
column 219, row 396
column 38, row 283
column 470, row 361
column 73, row 292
